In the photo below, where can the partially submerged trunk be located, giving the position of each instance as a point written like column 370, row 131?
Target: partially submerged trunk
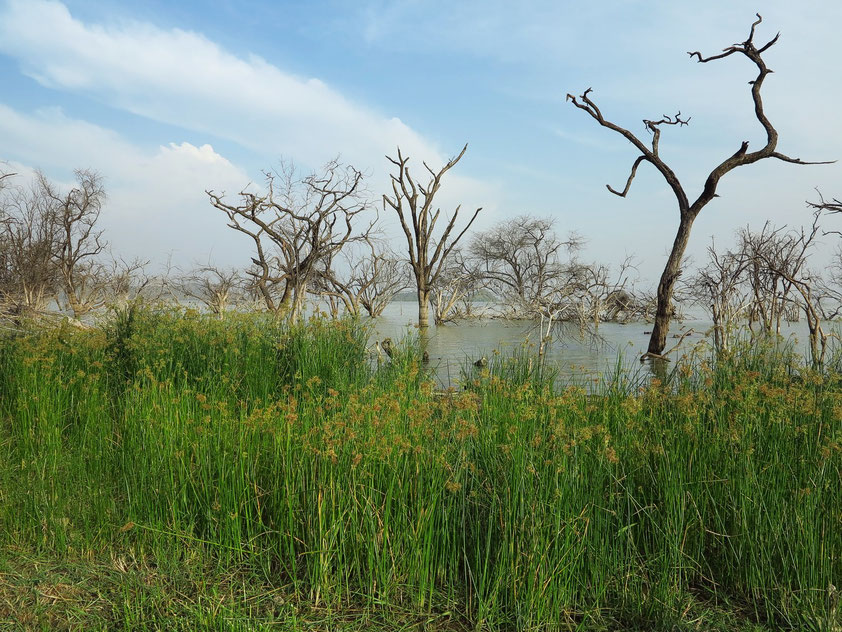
column 423, row 308
column 666, row 287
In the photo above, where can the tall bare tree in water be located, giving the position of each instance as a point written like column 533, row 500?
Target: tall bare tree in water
column 413, row 203
column 689, row 210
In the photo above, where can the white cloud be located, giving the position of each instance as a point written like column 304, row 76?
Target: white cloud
column 182, row 78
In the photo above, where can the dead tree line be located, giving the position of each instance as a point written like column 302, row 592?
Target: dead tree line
column 52, row 251
column 533, row 273
column 766, row 280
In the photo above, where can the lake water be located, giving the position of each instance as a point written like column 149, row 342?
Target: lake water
column 454, row 347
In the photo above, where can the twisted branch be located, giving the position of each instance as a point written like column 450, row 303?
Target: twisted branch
column 629, row 181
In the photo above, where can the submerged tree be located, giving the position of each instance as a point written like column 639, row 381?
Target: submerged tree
column 128, row 280
column 720, row 289
column 771, row 255
column 296, row 225
column 367, row 278
column 413, row 203
column 455, row 288
column 689, row 210
column 382, row 276
column 214, row 287
column 520, row 261
column 786, row 258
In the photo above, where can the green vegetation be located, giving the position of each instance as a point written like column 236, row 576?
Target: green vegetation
column 173, row 471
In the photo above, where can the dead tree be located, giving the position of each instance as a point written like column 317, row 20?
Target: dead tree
column 383, row 275
column 213, row 287
column 363, row 282
column 720, row 289
column 602, row 295
column 689, row 210
column 413, row 203
column 126, row 281
column 28, row 233
column 337, row 286
column 788, row 260
column 766, row 253
column 519, row 260
column 79, row 244
column 295, row 225
column 454, row 289
column 51, row 246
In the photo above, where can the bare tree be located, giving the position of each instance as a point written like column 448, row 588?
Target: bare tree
column 766, row 253
column 413, row 203
column 363, row 281
column 788, row 260
column 689, row 210
column 603, row 295
column 127, row 280
column 382, row 276
column 28, row 232
column 519, row 260
column 51, row 246
column 212, row 286
column 719, row 287
column 337, row 285
column 454, row 289
column 79, row 244
column 295, row 225
column 560, row 300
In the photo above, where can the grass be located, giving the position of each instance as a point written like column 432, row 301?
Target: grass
column 171, row 471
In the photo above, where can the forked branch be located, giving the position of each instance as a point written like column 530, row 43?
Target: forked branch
column 747, row 47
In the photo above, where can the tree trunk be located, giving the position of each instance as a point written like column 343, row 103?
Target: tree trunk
column 663, row 312
column 423, row 308
column 298, row 299
column 718, row 332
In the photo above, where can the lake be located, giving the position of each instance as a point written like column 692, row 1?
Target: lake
column 455, row 346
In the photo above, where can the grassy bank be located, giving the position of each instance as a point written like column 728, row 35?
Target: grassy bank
column 176, row 472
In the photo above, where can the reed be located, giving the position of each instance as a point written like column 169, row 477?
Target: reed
column 286, row 476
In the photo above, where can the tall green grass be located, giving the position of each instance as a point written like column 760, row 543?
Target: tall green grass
column 355, row 487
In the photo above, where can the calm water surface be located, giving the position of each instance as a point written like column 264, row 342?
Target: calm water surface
column 454, row 347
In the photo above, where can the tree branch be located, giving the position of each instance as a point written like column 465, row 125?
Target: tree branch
column 629, row 181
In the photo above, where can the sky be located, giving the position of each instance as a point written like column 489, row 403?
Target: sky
column 169, row 99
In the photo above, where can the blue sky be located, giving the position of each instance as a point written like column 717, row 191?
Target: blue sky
column 167, row 99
